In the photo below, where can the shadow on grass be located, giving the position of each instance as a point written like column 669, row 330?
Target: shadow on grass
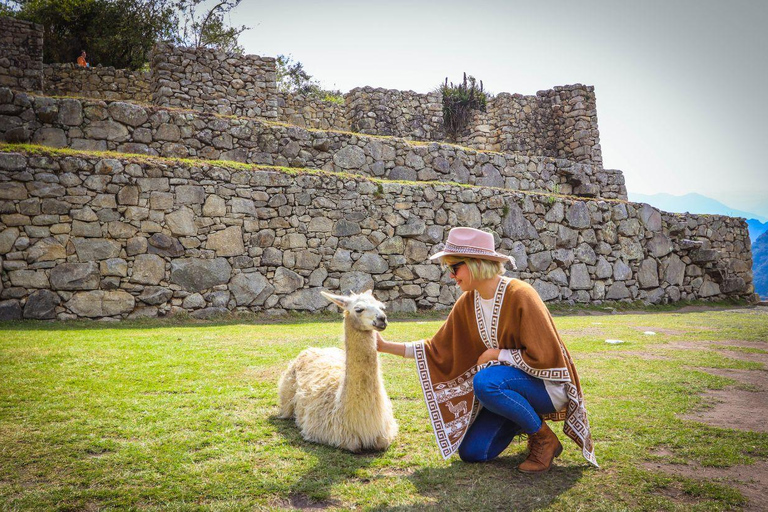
column 494, row 485
column 312, row 489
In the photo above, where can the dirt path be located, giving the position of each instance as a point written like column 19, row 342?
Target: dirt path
column 743, row 406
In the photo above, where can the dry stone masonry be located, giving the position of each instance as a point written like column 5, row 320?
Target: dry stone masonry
column 212, row 81
column 21, row 55
column 88, row 236
column 131, row 128
column 107, row 83
column 365, row 191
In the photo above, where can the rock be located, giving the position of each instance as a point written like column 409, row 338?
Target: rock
column 106, row 130
column 148, row 269
column 617, row 291
column 394, row 245
column 402, row 306
column 287, row 281
column 648, row 274
column 547, row 291
column 41, row 305
column 344, row 227
column 659, row 245
column 467, row 215
column 164, row 245
column 13, row 190
column 306, row 299
column 168, row 132
column 128, row 113
column 604, row 269
column 371, row 263
column 128, row 195
column 227, row 242
column 708, row 289
column 215, row 206
column 29, row 278
column 540, row 261
column 349, row 157
column 53, row 137
column 578, row 215
column 673, row 270
column 155, row 295
column 7, row 238
column 9, row 310
column 190, row 194
column 558, row 277
column 181, row 222
column 320, row 225
column 414, row 227
column 195, row 274
column 400, row 173
column 580, row 279
column 651, row 218
column 621, row 271
column 70, row 112
column 95, row 249
column 47, row 249
column 194, row 301
column 117, row 267
column 307, row 260
column 355, row 282
column 100, row 303
column 75, row 276
column 586, row 254
column 250, row 289
column 416, row 251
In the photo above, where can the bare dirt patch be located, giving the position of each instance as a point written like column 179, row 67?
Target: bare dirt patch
column 751, row 480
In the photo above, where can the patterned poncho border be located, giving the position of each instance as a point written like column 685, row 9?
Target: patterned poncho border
column 446, row 363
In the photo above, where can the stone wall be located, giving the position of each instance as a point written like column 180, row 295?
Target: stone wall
column 21, row 54
column 95, row 237
column 129, row 128
column 395, row 113
column 213, row 81
column 96, row 82
column 309, row 112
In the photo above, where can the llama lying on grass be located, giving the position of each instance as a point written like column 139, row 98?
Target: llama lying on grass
column 338, row 397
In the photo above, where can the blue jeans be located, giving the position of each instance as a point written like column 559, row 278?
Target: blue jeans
column 512, row 404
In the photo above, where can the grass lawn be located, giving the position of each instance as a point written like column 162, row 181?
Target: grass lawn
column 180, row 415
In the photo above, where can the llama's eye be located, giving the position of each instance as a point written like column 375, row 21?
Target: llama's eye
column 359, row 310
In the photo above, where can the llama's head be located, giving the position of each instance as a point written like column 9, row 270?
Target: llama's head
column 363, row 311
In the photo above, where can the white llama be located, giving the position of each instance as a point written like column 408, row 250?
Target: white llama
column 338, row 397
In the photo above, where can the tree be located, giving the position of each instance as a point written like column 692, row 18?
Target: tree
column 209, row 29
column 121, row 33
column 292, row 77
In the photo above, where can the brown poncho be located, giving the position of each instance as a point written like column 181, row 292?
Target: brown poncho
column 521, row 322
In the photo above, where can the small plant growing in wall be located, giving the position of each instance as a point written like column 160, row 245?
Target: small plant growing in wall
column 458, row 103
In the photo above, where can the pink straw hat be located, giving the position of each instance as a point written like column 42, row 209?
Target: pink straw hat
column 472, row 243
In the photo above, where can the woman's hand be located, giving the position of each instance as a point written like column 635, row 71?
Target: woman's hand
column 492, row 354
column 379, row 341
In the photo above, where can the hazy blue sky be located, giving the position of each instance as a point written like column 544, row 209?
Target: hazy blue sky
column 680, row 84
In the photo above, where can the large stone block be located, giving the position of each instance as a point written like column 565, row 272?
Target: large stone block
column 75, row 276
column 47, row 249
column 10, row 310
column 227, row 242
column 95, row 249
column 307, row 299
column 29, row 278
column 41, row 305
column 250, row 289
column 195, row 274
column 181, row 222
column 148, row 269
column 100, row 303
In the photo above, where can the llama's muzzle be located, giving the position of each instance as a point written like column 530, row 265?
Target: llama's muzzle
column 380, row 323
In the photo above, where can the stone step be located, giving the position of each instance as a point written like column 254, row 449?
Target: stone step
column 125, row 127
column 95, row 235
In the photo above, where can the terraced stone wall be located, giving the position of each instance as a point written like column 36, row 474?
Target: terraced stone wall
column 96, row 82
column 309, row 112
column 21, row 54
column 213, row 81
column 87, row 236
column 129, row 128
column 390, row 112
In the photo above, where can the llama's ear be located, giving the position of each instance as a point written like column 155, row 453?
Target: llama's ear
column 339, row 300
column 368, row 292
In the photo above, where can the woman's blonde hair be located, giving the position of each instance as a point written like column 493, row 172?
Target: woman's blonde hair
column 479, row 269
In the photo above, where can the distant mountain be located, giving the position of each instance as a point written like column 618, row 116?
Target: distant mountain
column 760, row 264
column 696, row 203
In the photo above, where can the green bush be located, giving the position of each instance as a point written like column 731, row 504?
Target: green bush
column 458, row 103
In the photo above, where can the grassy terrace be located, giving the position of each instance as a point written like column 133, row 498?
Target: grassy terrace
column 176, row 414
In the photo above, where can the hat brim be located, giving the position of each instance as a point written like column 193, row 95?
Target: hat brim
column 497, row 257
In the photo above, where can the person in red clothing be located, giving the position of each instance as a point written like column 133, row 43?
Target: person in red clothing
column 82, row 61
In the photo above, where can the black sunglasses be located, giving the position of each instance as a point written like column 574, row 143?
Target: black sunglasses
column 456, row 266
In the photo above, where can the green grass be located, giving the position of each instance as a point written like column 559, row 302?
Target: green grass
column 181, row 415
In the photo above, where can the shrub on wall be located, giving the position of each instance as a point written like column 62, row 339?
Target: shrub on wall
column 458, row 103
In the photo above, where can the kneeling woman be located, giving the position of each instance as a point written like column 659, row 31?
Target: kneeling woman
column 498, row 347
